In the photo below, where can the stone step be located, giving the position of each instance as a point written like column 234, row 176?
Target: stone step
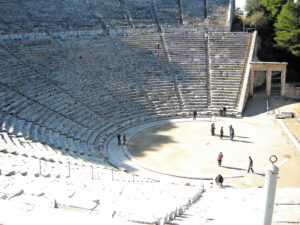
column 4, row 120
column 26, row 129
column 93, row 137
column 10, row 126
column 25, row 110
column 34, row 133
column 42, row 135
column 18, row 129
column 15, row 106
column 7, row 100
column 80, row 132
column 33, row 113
column 68, row 128
column 55, row 121
column 48, row 137
column 86, row 135
column 57, row 140
column 49, row 119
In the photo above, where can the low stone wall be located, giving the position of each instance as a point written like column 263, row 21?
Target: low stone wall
column 292, row 91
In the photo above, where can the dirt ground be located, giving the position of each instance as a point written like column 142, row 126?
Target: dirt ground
column 188, row 149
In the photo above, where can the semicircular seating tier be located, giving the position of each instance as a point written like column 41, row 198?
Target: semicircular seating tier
column 111, row 16
column 75, row 92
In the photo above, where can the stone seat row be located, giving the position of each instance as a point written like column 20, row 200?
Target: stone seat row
column 34, row 160
column 106, row 107
column 25, row 109
column 117, row 198
column 15, row 162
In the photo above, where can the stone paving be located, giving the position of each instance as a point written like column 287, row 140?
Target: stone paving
column 241, row 199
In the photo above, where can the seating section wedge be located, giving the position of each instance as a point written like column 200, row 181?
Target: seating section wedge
column 227, row 54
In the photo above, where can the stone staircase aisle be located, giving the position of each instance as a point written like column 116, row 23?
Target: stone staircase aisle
column 187, row 55
column 227, row 57
column 236, row 206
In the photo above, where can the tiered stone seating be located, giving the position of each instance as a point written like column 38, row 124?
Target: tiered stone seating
column 217, row 13
column 193, row 12
column 12, row 18
column 34, row 176
column 167, row 12
column 156, row 77
column 227, row 55
column 110, row 13
column 187, row 54
column 140, row 13
column 46, row 111
column 78, row 94
column 131, row 96
column 55, row 16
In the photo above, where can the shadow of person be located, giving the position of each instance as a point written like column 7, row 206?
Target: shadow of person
column 249, row 142
column 260, row 174
column 233, row 168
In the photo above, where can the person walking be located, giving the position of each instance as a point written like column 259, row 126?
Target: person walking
column 194, row 115
column 220, row 157
column 119, row 139
column 221, row 133
column 231, row 133
column 124, row 139
column 230, row 127
column 250, row 165
column 212, row 129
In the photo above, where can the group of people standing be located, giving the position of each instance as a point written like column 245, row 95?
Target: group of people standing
column 120, row 139
column 213, row 128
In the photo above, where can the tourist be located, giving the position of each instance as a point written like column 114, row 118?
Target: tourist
column 250, row 165
column 230, row 127
column 195, row 115
column 220, row 157
column 212, row 129
column 219, row 180
column 155, row 53
column 124, row 139
column 224, row 111
column 119, row 139
column 221, row 133
column 231, row 133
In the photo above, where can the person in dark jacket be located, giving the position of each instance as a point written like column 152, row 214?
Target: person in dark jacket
column 250, row 167
column 119, row 139
column 221, row 133
column 231, row 133
column 124, row 139
column 219, row 180
column 212, row 129
column 194, row 115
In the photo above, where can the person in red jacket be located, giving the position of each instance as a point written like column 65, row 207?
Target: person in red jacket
column 220, row 157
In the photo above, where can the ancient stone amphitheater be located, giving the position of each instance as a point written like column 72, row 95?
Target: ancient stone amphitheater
column 73, row 73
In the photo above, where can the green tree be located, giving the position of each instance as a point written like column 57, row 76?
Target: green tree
column 256, row 20
column 287, row 27
column 253, row 6
column 273, row 7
